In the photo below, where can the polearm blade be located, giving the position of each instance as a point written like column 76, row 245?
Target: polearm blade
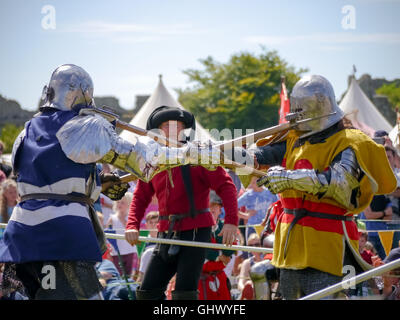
column 253, row 137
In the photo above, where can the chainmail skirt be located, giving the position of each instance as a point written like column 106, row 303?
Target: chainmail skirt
column 74, row 280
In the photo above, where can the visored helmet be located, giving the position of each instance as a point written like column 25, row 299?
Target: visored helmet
column 312, row 97
column 69, row 86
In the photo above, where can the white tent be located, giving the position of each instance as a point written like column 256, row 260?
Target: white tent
column 361, row 111
column 394, row 136
column 160, row 97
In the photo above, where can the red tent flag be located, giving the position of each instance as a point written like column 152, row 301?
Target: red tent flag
column 285, row 103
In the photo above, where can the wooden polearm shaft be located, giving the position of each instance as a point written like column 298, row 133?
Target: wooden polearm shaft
column 253, row 137
column 170, row 142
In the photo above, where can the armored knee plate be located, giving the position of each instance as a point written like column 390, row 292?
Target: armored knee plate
column 262, row 288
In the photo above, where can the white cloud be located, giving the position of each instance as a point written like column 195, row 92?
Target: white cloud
column 131, row 32
column 328, row 38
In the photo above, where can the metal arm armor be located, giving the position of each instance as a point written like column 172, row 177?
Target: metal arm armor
column 338, row 183
column 91, row 138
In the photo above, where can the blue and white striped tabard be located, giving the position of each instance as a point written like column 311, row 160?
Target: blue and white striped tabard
column 46, row 230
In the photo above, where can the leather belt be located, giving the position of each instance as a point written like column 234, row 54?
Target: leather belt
column 98, row 229
column 173, row 218
column 301, row 213
column 54, row 196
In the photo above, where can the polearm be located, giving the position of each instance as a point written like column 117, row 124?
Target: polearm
column 163, row 140
column 280, row 128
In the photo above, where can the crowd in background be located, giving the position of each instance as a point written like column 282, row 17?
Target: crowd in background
column 123, row 265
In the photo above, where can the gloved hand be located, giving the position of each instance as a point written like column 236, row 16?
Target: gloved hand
column 276, row 180
column 112, row 186
column 279, row 179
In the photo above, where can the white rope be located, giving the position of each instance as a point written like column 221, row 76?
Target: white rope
column 353, row 281
column 194, row 243
column 186, row 243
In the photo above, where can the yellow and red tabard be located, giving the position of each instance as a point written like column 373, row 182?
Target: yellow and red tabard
column 319, row 242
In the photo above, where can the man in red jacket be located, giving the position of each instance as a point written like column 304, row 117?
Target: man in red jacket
column 183, row 200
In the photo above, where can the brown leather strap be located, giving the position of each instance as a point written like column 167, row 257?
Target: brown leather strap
column 301, row 213
column 177, row 217
column 54, row 196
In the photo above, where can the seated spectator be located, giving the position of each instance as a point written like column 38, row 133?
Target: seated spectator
column 245, row 285
column 380, row 208
column 364, row 252
column 391, row 284
column 214, row 283
column 114, row 287
column 123, row 254
column 363, row 289
column 4, row 168
column 151, row 224
column 8, row 199
column 255, row 201
column 393, row 157
column 16, row 293
column 370, row 247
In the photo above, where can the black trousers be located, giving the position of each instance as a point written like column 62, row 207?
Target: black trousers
column 187, row 264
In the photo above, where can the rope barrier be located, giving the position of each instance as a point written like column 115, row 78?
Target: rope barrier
column 186, row 243
column 194, row 244
column 353, row 281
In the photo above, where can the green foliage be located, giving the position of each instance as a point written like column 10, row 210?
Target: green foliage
column 392, row 91
column 8, row 135
column 240, row 94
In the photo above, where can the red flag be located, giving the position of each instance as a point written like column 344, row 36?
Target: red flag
column 285, row 103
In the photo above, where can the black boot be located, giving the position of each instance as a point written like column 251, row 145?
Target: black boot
column 185, row 295
column 154, row 294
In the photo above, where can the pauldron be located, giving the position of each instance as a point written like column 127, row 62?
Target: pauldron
column 91, row 138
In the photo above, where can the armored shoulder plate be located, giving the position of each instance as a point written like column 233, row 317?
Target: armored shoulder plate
column 86, row 139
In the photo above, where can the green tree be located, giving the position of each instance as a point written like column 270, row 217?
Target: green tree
column 240, row 94
column 392, row 92
column 8, row 135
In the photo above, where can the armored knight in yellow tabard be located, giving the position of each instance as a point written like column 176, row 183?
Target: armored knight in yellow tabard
column 325, row 174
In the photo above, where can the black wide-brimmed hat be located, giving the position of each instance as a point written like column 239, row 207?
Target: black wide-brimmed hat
column 165, row 113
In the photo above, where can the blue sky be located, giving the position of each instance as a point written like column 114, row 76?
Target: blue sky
column 125, row 45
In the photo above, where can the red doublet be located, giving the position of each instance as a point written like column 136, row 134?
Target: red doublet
column 173, row 199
